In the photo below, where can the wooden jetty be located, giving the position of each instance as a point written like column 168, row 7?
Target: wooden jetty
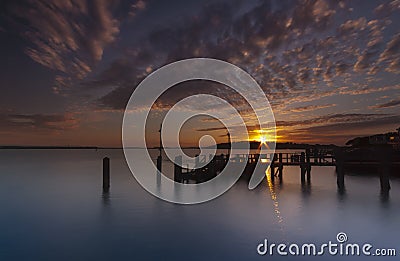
column 306, row 158
column 213, row 168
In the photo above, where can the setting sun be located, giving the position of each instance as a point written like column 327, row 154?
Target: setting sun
column 263, row 138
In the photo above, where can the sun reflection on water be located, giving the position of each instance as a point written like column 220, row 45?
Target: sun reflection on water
column 274, row 198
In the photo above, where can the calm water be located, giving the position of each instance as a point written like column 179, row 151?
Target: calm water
column 52, row 208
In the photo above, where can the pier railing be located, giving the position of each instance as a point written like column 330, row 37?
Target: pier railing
column 305, row 159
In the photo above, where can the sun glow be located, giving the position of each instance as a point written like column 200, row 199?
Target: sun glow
column 263, row 139
column 264, row 136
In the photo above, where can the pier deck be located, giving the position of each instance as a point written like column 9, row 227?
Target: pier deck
column 305, row 159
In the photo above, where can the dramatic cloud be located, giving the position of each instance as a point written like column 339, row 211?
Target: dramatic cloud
column 312, row 107
column 391, row 54
column 137, row 7
column 337, row 128
column 244, row 40
column 55, row 33
column 333, row 118
column 392, row 103
column 353, row 126
column 67, row 36
column 38, row 122
column 286, row 48
column 310, row 57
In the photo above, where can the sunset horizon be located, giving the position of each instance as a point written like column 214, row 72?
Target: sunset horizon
column 330, row 72
column 199, row 130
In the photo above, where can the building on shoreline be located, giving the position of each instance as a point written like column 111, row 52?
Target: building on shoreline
column 390, row 138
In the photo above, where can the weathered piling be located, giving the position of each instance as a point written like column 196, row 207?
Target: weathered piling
column 385, row 166
column 316, row 158
column 272, row 167
column 212, row 172
column 196, row 161
column 159, row 163
column 178, row 169
column 308, row 165
column 280, row 167
column 106, row 175
column 339, row 169
column 303, row 167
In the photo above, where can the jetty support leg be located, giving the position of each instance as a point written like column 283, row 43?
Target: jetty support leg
column 272, row 167
column 302, row 167
column 384, row 169
column 178, row 169
column 106, row 175
column 159, row 163
column 280, row 168
column 308, row 165
column 339, row 170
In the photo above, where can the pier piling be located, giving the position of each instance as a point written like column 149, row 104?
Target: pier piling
column 106, row 175
column 302, row 167
column 272, row 167
column 178, row 169
column 308, row 165
column 159, row 163
column 339, row 170
column 384, row 170
column 280, row 167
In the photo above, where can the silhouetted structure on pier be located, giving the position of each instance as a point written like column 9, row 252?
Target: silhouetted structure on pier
column 216, row 164
column 310, row 156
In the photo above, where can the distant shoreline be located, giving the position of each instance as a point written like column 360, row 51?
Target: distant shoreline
column 253, row 145
column 49, row 147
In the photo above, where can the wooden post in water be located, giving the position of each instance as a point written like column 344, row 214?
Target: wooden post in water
column 308, row 165
column 384, row 168
column 211, row 167
column 159, row 158
column 196, row 161
column 280, row 168
column 159, row 163
column 339, row 169
column 316, row 157
column 302, row 167
column 106, row 175
column 178, row 169
column 272, row 167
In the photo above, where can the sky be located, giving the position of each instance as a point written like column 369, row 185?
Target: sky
column 330, row 69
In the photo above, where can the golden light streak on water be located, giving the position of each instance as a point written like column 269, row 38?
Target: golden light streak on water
column 274, row 198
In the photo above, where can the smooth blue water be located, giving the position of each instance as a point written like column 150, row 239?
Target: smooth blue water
column 52, row 208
